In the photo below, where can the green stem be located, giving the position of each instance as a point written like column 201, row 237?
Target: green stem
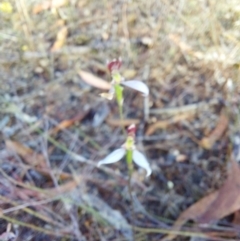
column 130, row 171
column 119, row 98
column 129, row 162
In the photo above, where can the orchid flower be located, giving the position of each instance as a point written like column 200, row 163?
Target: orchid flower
column 129, row 150
column 118, row 81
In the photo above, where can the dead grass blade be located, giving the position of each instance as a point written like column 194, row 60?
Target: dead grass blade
column 163, row 124
column 64, row 188
column 47, row 173
column 67, row 123
column 94, row 80
column 31, row 158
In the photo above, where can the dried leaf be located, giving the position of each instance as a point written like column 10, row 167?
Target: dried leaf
column 60, row 39
column 125, row 122
column 48, row 173
column 31, row 158
column 215, row 205
column 67, row 123
column 62, row 125
column 228, row 199
column 216, row 134
column 94, row 81
column 163, row 124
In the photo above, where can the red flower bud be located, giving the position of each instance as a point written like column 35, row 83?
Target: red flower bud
column 131, row 130
column 115, row 64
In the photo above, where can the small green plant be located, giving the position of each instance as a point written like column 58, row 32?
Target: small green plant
column 128, row 149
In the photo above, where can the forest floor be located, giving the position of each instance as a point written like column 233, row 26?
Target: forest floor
column 55, row 126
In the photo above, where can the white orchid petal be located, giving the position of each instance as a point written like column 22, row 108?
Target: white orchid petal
column 115, row 156
column 141, row 161
column 109, row 95
column 137, row 85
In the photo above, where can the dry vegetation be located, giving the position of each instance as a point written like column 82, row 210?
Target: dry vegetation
column 54, row 127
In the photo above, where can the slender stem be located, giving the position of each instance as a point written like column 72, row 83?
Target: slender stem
column 119, row 98
column 130, row 170
column 121, row 118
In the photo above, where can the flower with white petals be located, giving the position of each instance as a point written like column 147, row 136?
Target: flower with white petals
column 117, row 79
column 137, row 157
column 137, row 85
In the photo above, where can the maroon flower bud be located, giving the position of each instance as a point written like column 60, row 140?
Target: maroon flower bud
column 115, row 64
column 131, row 130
